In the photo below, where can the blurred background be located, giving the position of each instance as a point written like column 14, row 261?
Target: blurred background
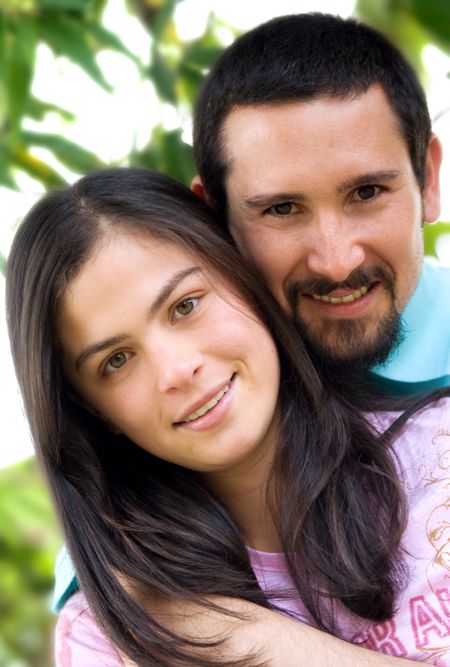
column 89, row 83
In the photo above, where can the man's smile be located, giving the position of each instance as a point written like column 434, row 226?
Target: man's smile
column 348, row 298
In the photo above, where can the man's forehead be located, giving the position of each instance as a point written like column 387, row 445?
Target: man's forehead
column 350, row 137
column 238, row 114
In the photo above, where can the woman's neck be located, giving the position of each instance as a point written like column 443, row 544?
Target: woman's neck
column 244, row 492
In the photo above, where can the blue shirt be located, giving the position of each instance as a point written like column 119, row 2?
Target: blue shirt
column 420, row 363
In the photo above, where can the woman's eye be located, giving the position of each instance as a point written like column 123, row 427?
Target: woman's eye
column 115, row 362
column 185, row 307
column 366, row 192
column 285, row 208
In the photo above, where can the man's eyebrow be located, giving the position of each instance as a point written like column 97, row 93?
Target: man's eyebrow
column 264, row 201
column 164, row 293
column 371, row 178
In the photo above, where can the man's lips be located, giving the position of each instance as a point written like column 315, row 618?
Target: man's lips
column 205, row 404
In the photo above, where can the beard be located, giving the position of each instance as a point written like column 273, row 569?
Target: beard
column 348, row 344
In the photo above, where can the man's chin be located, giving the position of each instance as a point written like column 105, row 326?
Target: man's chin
column 348, row 345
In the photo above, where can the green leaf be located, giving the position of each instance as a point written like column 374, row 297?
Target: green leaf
column 202, row 56
column 189, row 81
column 6, row 177
column 432, row 234
column 70, row 154
column 66, row 37
column 104, row 39
column 19, row 66
column 68, row 5
column 29, row 539
column 435, row 16
column 25, row 160
column 167, row 152
column 2, row 263
column 163, row 77
column 155, row 15
column 3, row 77
column 37, row 109
column 163, row 17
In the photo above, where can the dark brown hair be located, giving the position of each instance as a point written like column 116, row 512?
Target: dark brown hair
column 129, row 516
column 299, row 58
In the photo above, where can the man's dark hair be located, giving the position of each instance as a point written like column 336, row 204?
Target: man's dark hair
column 301, row 57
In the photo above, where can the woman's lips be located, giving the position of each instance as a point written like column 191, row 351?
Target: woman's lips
column 207, row 406
column 207, row 410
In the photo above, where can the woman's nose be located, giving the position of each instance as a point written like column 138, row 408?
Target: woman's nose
column 177, row 365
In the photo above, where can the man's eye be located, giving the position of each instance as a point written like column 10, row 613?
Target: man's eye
column 115, row 362
column 366, row 192
column 285, row 208
column 185, row 307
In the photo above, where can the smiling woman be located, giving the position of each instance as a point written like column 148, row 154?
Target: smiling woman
column 189, row 443
column 169, row 359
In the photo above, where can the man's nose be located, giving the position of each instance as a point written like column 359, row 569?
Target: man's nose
column 177, row 363
column 335, row 250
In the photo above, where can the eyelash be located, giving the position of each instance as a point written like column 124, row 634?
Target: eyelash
column 378, row 190
column 271, row 210
column 115, row 370
column 187, row 299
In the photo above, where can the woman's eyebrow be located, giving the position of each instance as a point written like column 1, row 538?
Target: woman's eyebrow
column 162, row 296
column 167, row 289
column 95, row 348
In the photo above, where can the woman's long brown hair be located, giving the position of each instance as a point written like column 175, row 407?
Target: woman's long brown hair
column 128, row 516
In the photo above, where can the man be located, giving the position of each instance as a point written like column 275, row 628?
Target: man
column 312, row 138
column 313, row 141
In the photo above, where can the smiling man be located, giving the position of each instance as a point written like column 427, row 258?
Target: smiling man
column 313, row 140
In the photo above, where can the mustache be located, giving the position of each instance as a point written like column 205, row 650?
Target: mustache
column 360, row 277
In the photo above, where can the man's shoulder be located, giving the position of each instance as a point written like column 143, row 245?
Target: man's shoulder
column 421, row 361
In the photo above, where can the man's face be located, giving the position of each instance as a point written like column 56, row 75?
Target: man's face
column 323, row 198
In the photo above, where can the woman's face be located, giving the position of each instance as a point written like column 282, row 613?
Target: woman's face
column 159, row 347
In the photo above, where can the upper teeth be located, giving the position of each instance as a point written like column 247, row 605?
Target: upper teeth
column 357, row 294
column 207, row 406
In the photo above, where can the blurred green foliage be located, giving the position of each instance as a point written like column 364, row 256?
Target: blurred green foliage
column 73, row 28
column 29, row 540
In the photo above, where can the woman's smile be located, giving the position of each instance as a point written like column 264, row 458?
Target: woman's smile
column 206, row 404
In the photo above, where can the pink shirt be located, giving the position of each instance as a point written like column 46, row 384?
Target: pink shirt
column 420, row 628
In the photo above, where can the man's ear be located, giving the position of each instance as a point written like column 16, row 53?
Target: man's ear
column 431, row 190
column 198, row 188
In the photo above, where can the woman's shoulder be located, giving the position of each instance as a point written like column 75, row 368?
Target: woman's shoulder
column 433, row 415
column 79, row 641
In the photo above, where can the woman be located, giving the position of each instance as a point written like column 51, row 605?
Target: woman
column 180, row 440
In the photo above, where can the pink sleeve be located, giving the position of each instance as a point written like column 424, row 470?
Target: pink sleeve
column 79, row 642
